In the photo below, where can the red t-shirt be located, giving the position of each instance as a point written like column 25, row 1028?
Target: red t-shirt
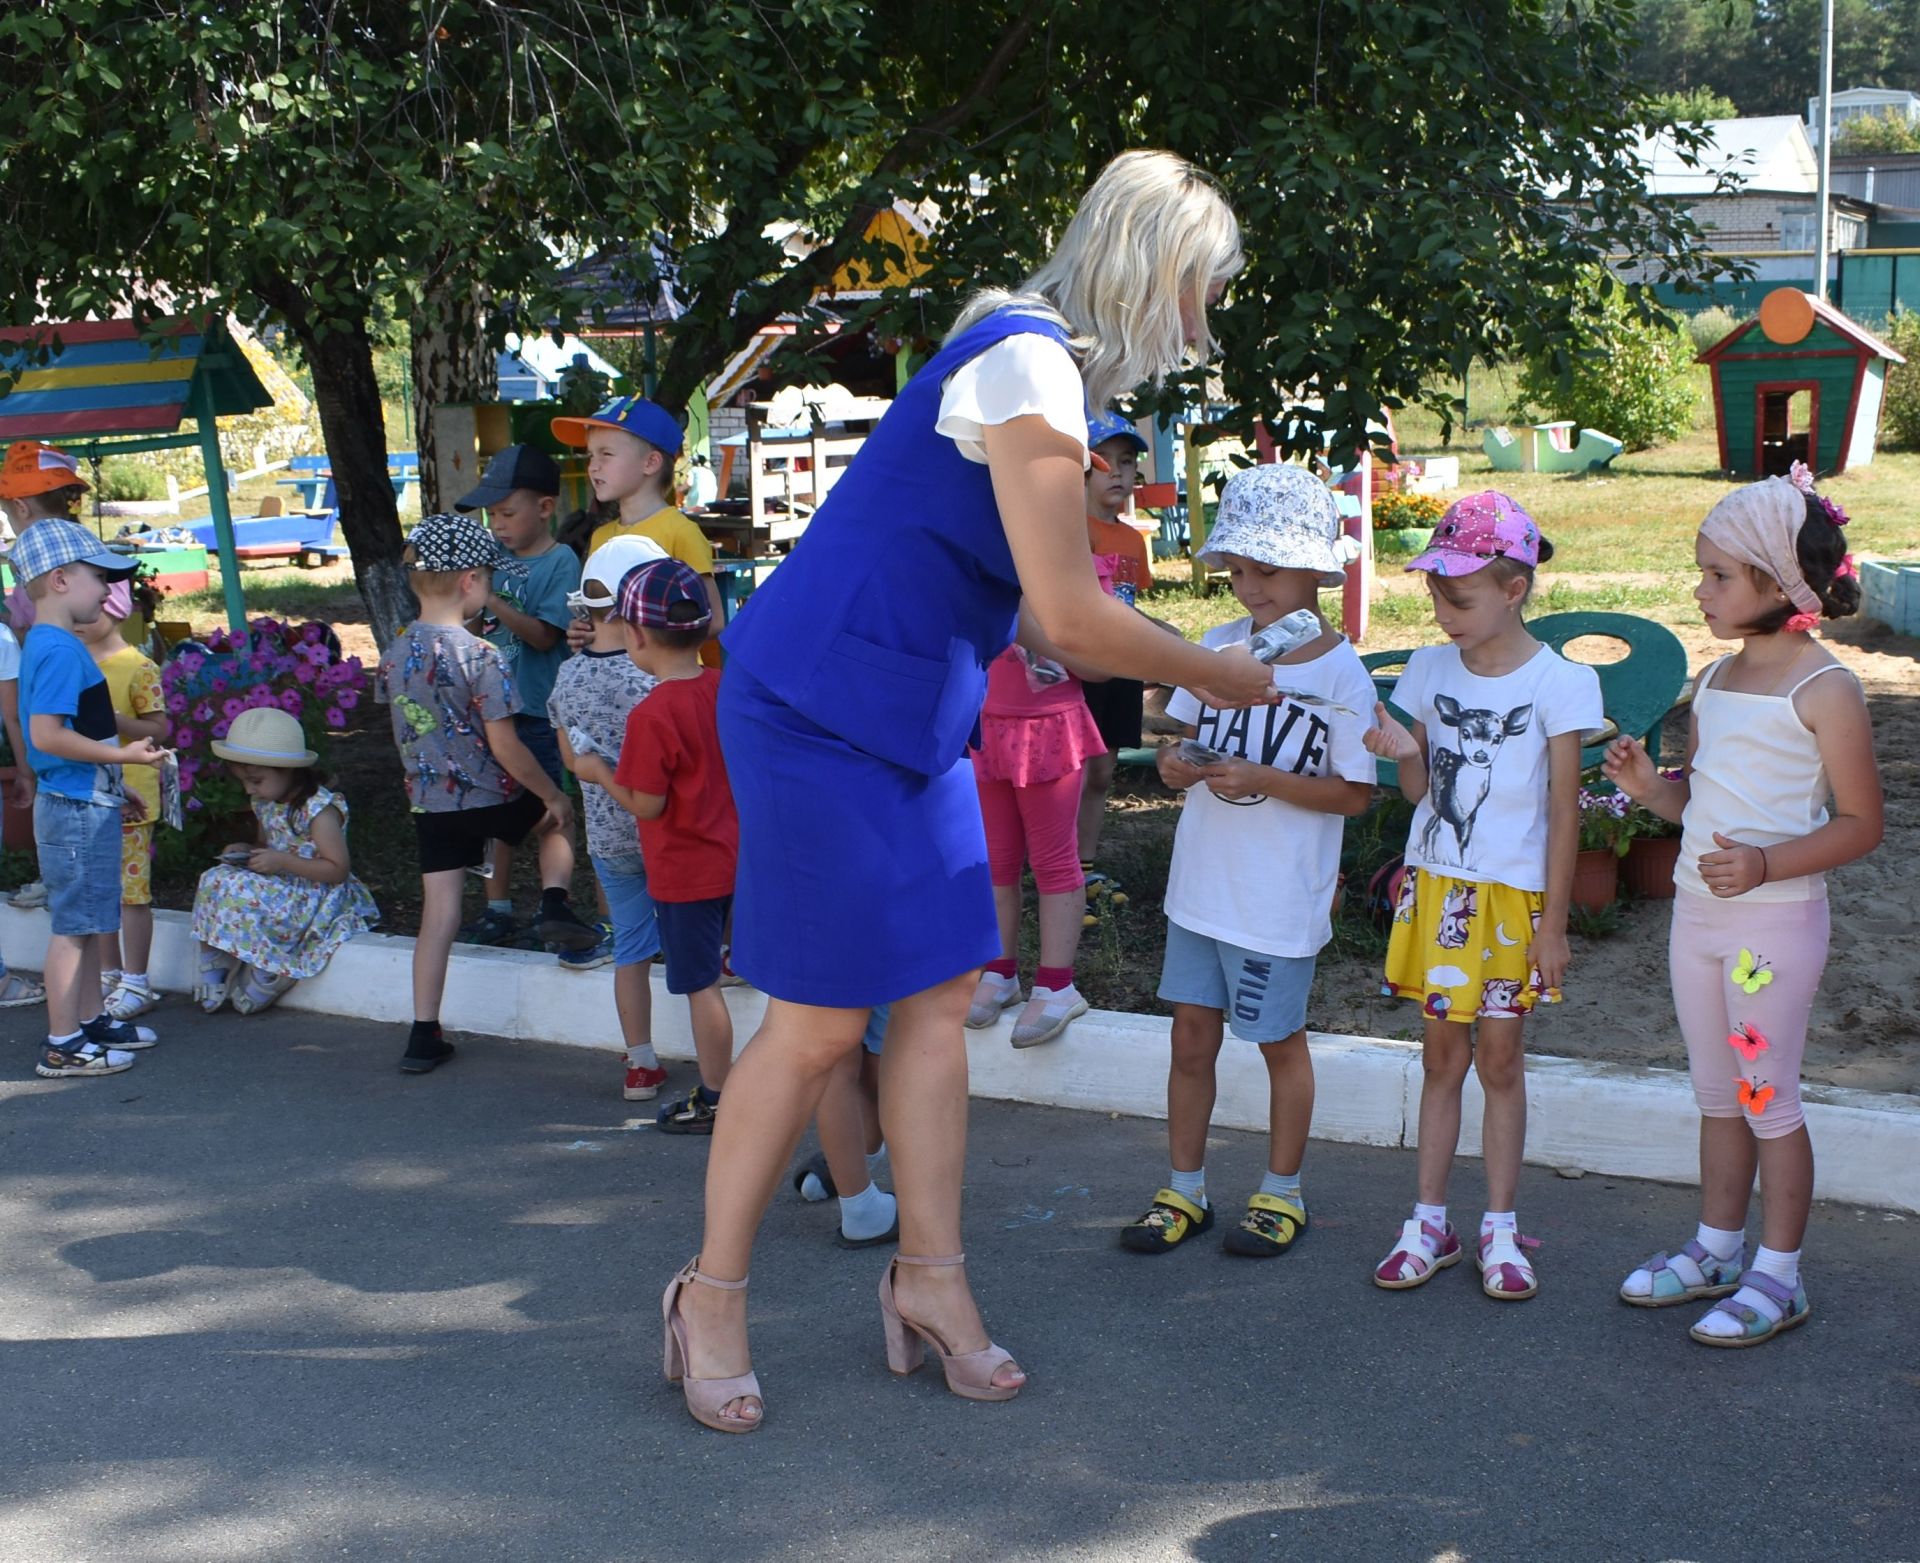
column 672, row 751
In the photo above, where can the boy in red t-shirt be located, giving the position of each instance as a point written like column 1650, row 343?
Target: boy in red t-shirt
column 672, row 779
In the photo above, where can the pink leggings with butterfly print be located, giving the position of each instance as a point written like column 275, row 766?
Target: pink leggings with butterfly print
column 1744, row 1049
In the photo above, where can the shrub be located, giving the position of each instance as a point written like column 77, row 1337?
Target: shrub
column 1710, row 326
column 1395, row 510
column 1902, row 407
column 123, row 480
column 1628, row 378
column 297, row 667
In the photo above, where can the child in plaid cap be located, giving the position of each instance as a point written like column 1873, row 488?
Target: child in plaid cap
column 469, row 777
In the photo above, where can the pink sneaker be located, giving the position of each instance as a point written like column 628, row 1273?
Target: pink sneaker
column 643, row 1084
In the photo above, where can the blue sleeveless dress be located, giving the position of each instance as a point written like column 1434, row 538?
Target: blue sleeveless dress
column 854, row 680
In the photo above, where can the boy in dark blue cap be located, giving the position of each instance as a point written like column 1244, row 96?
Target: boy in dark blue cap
column 73, row 746
column 525, row 619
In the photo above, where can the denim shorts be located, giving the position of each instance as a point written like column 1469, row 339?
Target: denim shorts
column 79, row 846
column 636, row 931
column 691, row 933
column 876, row 1034
column 1264, row 997
column 537, row 733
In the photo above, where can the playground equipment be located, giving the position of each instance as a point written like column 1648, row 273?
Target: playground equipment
column 1550, row 447
column 1798, row 382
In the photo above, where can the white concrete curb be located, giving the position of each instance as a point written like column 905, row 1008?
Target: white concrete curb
column 1603, row 1118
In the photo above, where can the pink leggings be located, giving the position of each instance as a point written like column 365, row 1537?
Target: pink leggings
column 1769, row 1025
column 1037, row 823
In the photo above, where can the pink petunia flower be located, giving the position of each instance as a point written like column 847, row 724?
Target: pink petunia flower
column 177, row 704
column 291, row 701
column 346, row 700
column 336, row 718
column 219, row 729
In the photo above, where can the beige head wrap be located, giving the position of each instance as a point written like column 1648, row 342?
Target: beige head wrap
column 1759, row 525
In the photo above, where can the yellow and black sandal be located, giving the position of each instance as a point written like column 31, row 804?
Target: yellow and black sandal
column 1268, row 1229
column 1169, row 1222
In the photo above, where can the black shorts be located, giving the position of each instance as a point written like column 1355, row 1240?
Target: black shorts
column 457, row 838
column 1118, row 706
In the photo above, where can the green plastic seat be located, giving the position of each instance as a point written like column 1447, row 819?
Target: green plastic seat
column 1636, row 692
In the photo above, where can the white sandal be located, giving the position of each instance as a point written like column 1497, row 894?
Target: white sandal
column 211, row 987
column 1505, row 1274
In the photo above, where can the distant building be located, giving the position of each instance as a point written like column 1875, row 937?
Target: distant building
column 1858, row 102
column 530, row 367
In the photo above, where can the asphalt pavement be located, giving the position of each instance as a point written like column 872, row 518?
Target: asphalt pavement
column 263, row 1298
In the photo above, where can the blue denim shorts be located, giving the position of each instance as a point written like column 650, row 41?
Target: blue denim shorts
column 1264, row 997
column 636, row 931
column 79, row 846
column 876, row 1034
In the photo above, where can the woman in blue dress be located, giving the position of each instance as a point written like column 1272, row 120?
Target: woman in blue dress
column 855, row 677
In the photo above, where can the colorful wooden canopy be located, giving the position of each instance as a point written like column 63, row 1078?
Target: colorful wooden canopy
column 67, row 381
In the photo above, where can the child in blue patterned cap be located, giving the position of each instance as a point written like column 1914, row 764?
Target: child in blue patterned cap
column 1492, row 767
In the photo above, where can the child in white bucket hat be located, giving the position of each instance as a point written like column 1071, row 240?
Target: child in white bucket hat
column 267, row 916
column 1256, row 858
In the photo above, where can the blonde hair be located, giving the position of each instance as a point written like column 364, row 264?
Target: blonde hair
column 1152, row 232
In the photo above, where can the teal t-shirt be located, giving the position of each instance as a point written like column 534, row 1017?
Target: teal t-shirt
column 538, row 587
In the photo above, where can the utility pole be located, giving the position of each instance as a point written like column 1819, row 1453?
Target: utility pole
column 1823, row 245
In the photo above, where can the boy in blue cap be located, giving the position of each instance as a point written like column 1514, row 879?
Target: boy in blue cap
column 525, row 619
column 631, row 444
column 73, row 746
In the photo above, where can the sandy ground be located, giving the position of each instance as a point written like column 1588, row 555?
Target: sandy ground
column 1618, row 1005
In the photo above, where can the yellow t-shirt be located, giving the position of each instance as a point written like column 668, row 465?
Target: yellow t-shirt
column 671, row 530
column 133, row 683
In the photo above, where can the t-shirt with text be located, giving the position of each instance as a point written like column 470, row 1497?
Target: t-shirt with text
column 445, row 684
column 595, row 693
column 672, row 751
column 1484, row 817
column 1260, row 872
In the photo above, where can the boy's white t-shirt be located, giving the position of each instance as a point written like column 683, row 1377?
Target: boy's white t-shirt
column 1260, row 873
column 1484, row 817
column 9, row 656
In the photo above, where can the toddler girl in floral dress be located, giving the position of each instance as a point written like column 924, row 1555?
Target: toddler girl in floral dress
column 267, row 916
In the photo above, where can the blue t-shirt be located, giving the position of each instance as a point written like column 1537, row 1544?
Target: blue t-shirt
column 538, row 587
column 58, row 677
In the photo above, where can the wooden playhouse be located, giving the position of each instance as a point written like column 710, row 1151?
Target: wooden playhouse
column 1798, row 382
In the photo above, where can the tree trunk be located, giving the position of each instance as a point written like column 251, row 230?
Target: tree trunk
column 351, row 421
column 452, row 362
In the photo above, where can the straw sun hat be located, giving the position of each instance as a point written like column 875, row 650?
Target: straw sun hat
column 265, row 735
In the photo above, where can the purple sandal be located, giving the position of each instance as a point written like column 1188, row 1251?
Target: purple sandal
column 1422, row 1250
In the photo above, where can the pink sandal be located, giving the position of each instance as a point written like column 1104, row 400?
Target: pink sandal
column 1422, row 1251
column 1505, row 1274
column 706, row 1397
column 969, row 1373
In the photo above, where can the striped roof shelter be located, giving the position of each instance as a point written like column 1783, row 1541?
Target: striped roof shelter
column 70, row 381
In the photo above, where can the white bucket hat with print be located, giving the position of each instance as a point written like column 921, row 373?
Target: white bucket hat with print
column 1284, row 517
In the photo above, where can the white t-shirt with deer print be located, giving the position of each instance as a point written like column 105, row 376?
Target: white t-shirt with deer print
column 1484, row 817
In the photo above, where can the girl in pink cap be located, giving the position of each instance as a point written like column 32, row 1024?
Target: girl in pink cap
column 1773, row 739
column 1492, row 767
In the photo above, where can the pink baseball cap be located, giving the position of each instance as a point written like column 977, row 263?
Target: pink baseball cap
column 1478, row 529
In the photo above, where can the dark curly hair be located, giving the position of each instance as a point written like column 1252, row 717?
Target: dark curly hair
column 1821, row 549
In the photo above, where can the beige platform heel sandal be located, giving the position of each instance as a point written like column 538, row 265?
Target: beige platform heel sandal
column 706, row 1397
column 969, row 1373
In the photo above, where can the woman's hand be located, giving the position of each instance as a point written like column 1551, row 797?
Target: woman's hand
column 1629, row 767
column 1241, row 679
column 1387, row 738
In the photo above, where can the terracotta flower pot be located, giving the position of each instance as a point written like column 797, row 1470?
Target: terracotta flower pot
column 1647, row 869
column 1596, row 879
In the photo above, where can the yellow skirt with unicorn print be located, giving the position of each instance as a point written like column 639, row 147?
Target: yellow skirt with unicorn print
column 1461, row 948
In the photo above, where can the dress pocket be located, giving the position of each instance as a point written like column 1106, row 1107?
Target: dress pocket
column 912, row 711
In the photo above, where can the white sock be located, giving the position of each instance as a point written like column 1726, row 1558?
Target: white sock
column 134, row 979
column 812, row 1190
column 1189, row 1185
column 1773, row 1262
column 1783, row 1267
column 110, row 978
column 867, row 1214
column 1498, row 1221
column 1284, row 1185
column 642, row 1056
column 1718, row 1241
column 1433, row 1215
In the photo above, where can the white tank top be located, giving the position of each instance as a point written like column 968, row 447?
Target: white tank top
column 1757, row 779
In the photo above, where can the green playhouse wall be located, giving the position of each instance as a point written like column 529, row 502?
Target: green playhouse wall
column 1740, row 377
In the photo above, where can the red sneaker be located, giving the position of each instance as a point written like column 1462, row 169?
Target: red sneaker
column 643, row 1084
